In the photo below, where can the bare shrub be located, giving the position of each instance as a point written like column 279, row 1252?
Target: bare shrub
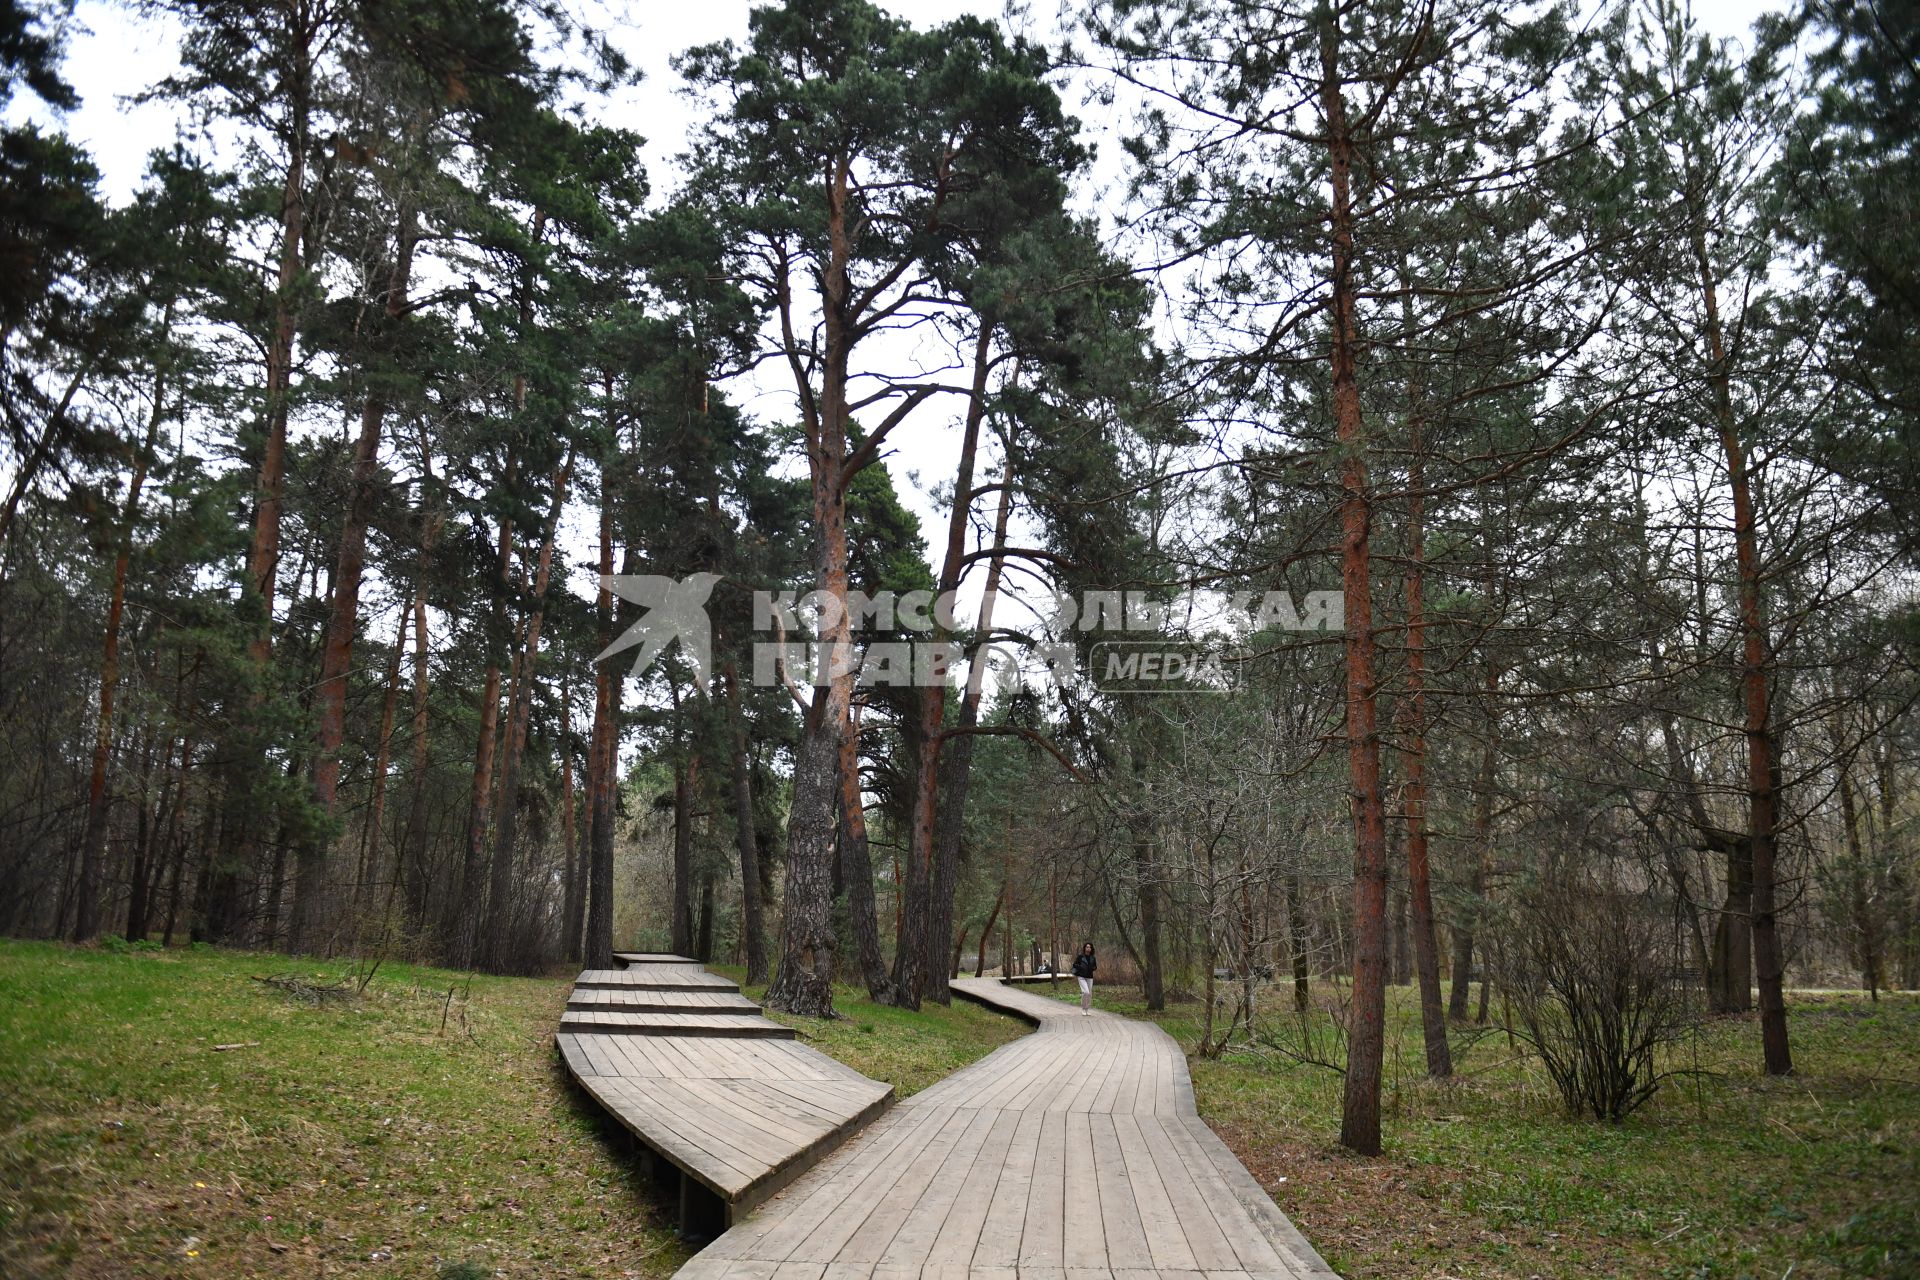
column 1589, row 972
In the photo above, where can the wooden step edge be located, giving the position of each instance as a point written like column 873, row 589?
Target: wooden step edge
column 772, row 1031
column 715, row 989
column 641, row 1006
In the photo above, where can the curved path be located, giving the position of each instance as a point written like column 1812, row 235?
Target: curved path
column 1070, row 1154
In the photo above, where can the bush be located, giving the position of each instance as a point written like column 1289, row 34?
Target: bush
column 1589, row 974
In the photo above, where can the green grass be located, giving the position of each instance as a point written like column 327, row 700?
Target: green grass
column 1725, row 1174
column 354, row 1138
column 357, row 1137
column 909, row 1050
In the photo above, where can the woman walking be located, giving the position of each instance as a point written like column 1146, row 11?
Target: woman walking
column 1083, row 966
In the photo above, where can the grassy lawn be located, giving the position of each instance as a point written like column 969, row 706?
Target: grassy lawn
column 348, row 1136
column 354, row 1138
column 1725, row 1174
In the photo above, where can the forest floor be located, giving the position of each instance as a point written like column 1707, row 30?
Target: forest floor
column 348, row 1135
column 163, row 1114
column 1726, row 1173
column 397, row 1132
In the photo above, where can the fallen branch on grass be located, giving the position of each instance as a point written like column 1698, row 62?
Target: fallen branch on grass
column 303, row 990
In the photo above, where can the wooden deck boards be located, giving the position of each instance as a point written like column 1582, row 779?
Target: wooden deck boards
column 641, row 1000
column 1071, row 1154
column 654, row 977
column 620, row 1022
column 691, row 1068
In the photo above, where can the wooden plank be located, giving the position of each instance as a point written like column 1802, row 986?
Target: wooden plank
column 846, row 1209
column 648, row 1055
column 1108, row 1099
column 655, row 977
column 776, row 1121
column 655, row 1045
column 1256, row 1252
column 1043, row 1242
column 869, row 1240
column 784, row 1221
column 1001, row 1234
column 913, row 1242
column 643, row 1000
column 1072, row 1154
column 1085, row 1236
column 1276, row 1231
column 960, row 1233
column 594, row 1053
column 608, row 1022
column 1209, row 1244
column 1166, row 1237
column 749, row 1161
column 722, row 1172
column 795, row 1098
column 1124, row 1224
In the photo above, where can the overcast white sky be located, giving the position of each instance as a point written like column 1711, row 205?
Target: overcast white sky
column 112, row 54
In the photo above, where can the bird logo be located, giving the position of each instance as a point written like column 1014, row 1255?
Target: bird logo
column 676, row 610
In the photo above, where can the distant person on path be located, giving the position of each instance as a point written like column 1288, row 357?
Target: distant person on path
column 1083, row 966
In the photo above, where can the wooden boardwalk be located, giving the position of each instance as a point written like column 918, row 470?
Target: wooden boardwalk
column 1071, row 1154
column 725, row 1098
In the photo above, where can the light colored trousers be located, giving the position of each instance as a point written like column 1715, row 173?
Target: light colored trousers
column 1086, row 993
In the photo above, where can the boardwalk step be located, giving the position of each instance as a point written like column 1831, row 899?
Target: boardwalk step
column 739, row 1119
column 654, row 977
column 630, row 1000
column 729, row 1103
column 651, row 957
column 703, row 1025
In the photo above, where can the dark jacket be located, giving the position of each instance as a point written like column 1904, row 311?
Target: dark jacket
column 1084, row 965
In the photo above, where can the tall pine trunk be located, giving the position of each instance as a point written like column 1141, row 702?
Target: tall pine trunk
column 604, row 763
column 804, row 981
column 856, row 872
column 219, row 908
column 336, row 654
column 1426, row 947
column 956, row 761
column 93, row 840
column 753, row 924
column 500, row 898
column 370, row 833
column 1153, row 985
column 1756, row 696
column 574, row 890
column 1360, row 1110
column 685, row 779
column 919, row 965
column 461, row 919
